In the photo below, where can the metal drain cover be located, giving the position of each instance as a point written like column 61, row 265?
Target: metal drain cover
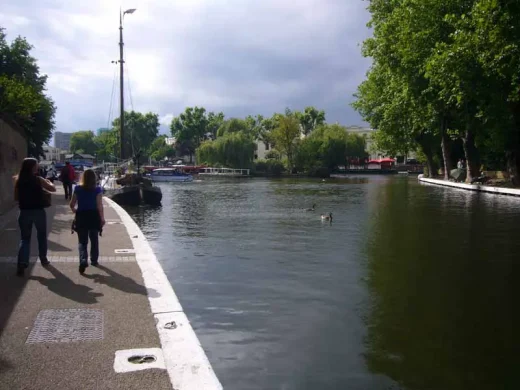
column 67, row 325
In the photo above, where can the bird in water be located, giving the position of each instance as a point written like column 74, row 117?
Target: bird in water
column 327, row 217
column 313, row 208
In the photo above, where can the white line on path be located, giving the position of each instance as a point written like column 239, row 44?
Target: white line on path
column 185, row 360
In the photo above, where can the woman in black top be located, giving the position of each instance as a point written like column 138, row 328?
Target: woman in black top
column 29, row 191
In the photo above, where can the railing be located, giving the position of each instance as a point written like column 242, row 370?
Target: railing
column 224, row 172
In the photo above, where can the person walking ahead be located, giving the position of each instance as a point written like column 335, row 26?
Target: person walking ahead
column 90, row 217
column 30, row 191
column 67, row 177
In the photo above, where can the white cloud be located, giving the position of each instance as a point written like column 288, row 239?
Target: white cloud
column 165, row 120
column 238, row 56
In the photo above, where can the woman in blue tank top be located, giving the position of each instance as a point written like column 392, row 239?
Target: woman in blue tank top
column 90, row 217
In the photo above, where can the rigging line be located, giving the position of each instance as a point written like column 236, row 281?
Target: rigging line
column 131, row 105
column 129, row 86
column 111, row 98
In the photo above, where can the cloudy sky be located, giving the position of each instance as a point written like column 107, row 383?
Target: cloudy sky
column 236, row 56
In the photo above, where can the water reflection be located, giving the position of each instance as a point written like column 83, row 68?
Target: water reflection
column 442, row 288
column 411, row 287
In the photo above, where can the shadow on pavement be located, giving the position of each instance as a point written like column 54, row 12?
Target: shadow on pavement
column 119, row 282
column 65, row 287
column 55, row 247
column 4, row 365
column 11, row 288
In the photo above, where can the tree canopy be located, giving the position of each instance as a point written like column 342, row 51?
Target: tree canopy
column 83, row 142
column 445, row 71
column 22, row 92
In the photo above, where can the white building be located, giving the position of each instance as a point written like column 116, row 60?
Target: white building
column 262, row 148
column 170, row 141
column 51, row 153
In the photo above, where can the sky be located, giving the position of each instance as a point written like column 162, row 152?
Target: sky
column 236, row 56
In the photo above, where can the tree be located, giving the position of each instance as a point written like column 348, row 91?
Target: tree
column 232, row 150
column 310, row 119
column 107, row 145
column 286, row 136
column 22, row 93
column 83, row 142
column 233, row 125
column 493, row 26
column 214, row 123
column 189, row 128
column 356, row 147
column 158, row 150
column 329, row 146
column 140, row 131
column 405, row 38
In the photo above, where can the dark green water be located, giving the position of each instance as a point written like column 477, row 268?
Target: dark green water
column 410, row 287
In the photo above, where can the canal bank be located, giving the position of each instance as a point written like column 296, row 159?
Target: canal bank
column 62, row 330
column 472, row 187
column 184, row 358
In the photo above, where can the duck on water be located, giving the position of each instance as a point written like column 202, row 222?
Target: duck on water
column 326, row 217
column 313, row 208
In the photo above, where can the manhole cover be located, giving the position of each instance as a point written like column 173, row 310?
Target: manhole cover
column 66, row 325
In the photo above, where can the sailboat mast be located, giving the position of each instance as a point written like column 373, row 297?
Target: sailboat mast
column 121, row 90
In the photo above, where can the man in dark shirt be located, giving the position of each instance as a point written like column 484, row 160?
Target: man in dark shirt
column 67, row 178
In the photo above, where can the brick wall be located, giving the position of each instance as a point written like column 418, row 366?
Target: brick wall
column 13, row 149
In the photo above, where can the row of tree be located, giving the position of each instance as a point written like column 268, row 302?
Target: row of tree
column 142, row 137
column 302, row 140
column 445, row 73
column 22, row 93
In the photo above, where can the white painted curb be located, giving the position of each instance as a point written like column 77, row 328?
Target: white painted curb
column 472, row 187
column 184, row 358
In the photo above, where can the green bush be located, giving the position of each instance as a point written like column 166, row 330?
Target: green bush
column 269, row 167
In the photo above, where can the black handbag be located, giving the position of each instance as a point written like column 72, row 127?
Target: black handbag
column 46, row 199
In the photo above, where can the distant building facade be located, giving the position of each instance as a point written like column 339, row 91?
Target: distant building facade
column 62, row 140
column 262, row 148
column 52, row 154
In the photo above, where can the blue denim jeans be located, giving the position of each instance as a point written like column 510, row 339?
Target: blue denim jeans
column 83, row 237
column 26, row 219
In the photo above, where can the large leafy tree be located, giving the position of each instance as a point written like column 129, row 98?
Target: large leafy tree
column 286, row 136
column 190, row 129
column 107, row 146
column 329, row 146
column 233, row 125
column 23, row 93
column 494, row 28
column 214, row 123
column 231, row 150
column 310, row 119
column 140, row 131
column 83, row 142
column 158, row 150
column 406, row 36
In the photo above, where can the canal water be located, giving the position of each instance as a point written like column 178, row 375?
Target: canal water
column 409, row 287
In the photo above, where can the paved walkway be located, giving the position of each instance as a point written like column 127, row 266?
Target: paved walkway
column 44, row 347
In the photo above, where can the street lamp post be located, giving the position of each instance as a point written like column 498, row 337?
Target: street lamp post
column 121, row 82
